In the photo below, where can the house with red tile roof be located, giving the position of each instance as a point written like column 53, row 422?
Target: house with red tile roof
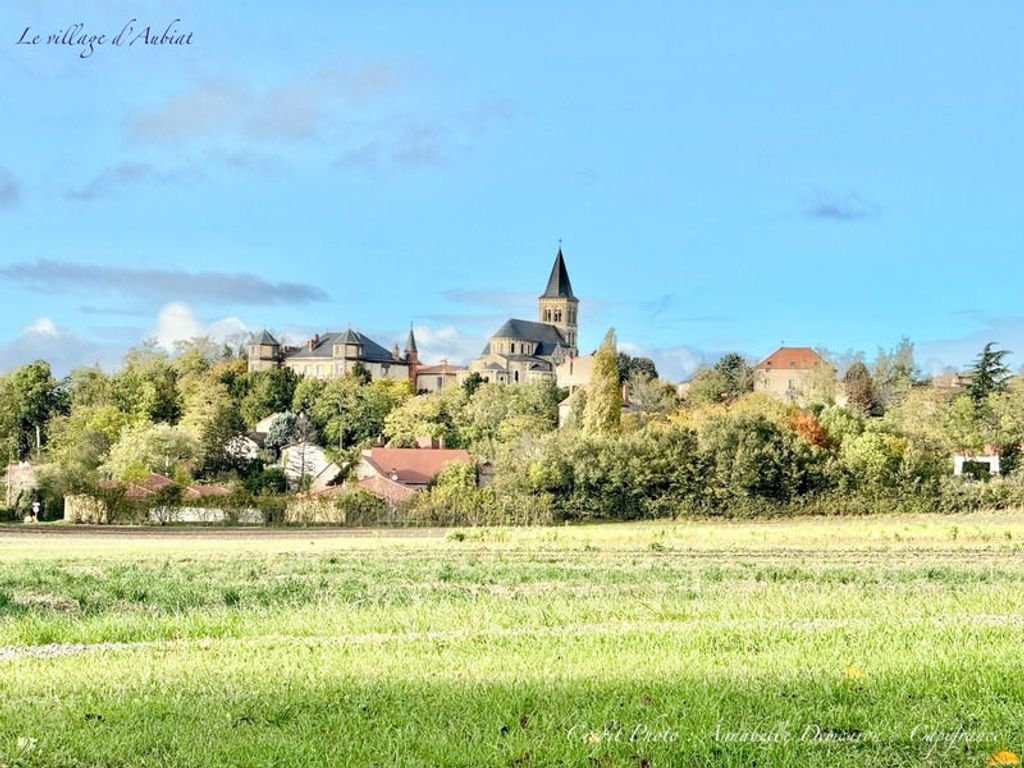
column 434, row 378
column 393, row 473
column 787, row 373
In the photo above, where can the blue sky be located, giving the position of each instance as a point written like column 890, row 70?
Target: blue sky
column 723, row 176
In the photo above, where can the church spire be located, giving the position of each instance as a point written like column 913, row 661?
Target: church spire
column 559, row 286
column 558, row 305
column 410, row 342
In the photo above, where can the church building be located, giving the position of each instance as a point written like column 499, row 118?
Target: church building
column 528, row 350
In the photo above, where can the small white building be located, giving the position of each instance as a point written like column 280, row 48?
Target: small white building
column 989, row 459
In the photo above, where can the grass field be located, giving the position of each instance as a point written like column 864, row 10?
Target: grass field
column 874, row 642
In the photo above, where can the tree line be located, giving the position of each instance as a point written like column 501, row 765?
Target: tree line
column 723, row 449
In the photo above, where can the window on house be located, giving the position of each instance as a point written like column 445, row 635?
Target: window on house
column 440, row 382
column 516, row 376
column 792, row 383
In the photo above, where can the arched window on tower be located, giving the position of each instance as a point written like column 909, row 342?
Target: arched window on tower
column 547, row 315
column 558, row 315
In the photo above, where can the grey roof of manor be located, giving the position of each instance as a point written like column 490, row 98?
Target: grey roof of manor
column 372, row 351
column 559, row 286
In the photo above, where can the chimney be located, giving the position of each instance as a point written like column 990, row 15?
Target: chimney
column 444, row 361
column 394, row 351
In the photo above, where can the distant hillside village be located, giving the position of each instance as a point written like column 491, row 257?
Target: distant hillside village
column 343, row 430
column 520, row 351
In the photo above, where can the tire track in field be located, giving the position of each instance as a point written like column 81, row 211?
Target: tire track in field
column 55, row 650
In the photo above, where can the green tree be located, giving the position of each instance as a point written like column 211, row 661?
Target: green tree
column 361, row 372
column 472, row 382
column 350, row 412
column 988, row 375
column 147, row 385
column 860, row 389
column 635, row 366
column 727, row 379
column 603, row 411
column 268, row 392
column 33, row 398
column 650, row 396
column 894, row 373
column 499, row 414
column 439, row 415
column 211, row 416
column 281, row 432
column 143, row 448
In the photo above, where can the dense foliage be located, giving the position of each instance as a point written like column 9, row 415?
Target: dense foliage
column 629, row 447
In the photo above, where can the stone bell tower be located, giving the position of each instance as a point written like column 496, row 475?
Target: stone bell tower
column 558, row 306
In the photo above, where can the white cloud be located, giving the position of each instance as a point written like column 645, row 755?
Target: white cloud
column 674, row 363
column 938, row 355
column 62, row 348
column 448, row 342
column 42, row 326
column 177, row 322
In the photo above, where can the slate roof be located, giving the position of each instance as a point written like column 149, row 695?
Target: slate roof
column 547, row 336
column 559, row 286
column 410, row 343
column 266, row 338
column 372, row 351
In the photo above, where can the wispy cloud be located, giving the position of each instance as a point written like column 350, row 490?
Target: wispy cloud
column 128, row 174
column 829, row 206
column 1007, row 331
column 49, row 275
column 493, row 299
column 10, row 188
column 293, row 111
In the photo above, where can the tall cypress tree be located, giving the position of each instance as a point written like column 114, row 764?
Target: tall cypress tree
column 603, row 411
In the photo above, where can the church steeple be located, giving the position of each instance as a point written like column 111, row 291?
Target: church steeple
column 558, row 305
column 410, row 342
column 559, row 286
